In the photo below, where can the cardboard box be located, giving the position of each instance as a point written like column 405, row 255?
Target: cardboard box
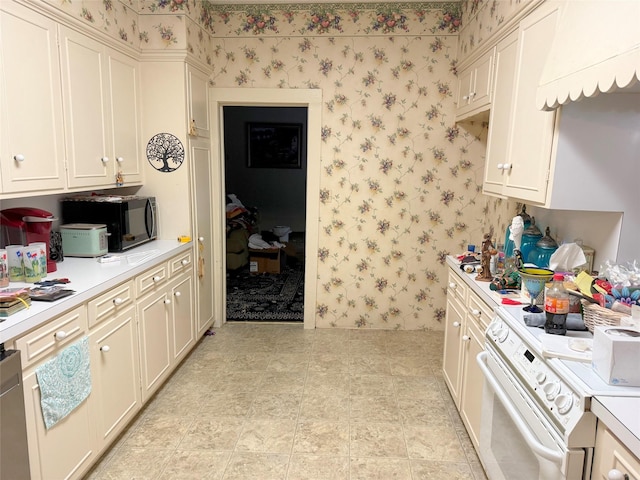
column 616, row 355
column 267, row 260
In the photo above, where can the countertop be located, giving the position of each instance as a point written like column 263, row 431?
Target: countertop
column 619, row 414
column 88, row 278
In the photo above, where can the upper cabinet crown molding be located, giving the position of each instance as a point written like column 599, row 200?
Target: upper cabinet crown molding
column 596, row 49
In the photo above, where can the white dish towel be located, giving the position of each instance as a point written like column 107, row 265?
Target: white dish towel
column 64, row 381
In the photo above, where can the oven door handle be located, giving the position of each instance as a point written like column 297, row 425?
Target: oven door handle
column 524, row 429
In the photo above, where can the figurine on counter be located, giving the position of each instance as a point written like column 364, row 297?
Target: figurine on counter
column 488, row 251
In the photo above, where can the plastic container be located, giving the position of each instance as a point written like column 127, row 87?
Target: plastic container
column 556, row 306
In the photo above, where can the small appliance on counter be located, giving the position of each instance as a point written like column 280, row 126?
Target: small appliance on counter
column 84, row 239
column 131, row 220
column 24, row 226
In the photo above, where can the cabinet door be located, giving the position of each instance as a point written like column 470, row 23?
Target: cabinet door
column 182, row 320
column 610, row 454
column 201, row 158
column 531, row 129
column 154, row 319
column 198, row 96
column 31, row 128
column 454, row 326
column 473, row 381
column 464, row 88
column 125, row 118
column 115, row 370
column 475, row 86
column 65, row 450
column 499, row 122
column 86, row 108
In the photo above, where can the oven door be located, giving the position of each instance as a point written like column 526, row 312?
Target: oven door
column 516, row 441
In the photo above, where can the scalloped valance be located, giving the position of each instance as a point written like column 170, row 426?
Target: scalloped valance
column 596, row 49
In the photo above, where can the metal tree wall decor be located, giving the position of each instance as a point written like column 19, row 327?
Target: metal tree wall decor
column 165, row 152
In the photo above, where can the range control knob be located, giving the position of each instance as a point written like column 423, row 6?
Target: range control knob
column 551, row 390
column 564, row 402
column 541, row 377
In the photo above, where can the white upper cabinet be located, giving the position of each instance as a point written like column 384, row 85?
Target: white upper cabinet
column 100, row 105
column 520, row 135
column 474, row 87
column 198, row 103
column 31, row 133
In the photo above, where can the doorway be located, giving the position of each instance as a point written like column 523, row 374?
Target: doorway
column 248, row 97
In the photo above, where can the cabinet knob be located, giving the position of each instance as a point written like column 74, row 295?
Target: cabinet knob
column 105, row 348
column 617, row 475
column 167, row 301
column 201, row 239
column 452, row 286
column 456, row 324
column 500, row 166
column 119, row 159
column 472, row 94
column 475, row 313
column 19, row 157
column 177, row 294
column 157, row 278
column 118, row 301
column 466, row 338
column 104, row 159
column 184, row 262
column 60, row 335
column 506, row 166
column 466, row 97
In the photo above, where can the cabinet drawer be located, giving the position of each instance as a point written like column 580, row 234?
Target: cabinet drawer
column 56, row 334
column 480, row 312
column 610, row 454
column 181, row 263
column 110, row 303
column 456, row 288
column 151, row 279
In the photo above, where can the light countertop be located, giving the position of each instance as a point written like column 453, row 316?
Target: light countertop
column 88, row 278
column 619, row 414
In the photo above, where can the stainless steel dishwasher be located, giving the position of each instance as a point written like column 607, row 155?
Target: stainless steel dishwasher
column 14, row 453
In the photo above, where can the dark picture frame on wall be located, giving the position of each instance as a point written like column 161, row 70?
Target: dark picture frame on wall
column 274, row 145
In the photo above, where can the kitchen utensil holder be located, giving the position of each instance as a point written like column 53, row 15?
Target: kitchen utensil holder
column 594, row 316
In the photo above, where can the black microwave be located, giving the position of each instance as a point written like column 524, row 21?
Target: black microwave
column 131, row 220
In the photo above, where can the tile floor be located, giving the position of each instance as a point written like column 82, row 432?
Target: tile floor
column 266, row 402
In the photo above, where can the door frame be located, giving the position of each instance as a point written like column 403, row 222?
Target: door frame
column 268, row 97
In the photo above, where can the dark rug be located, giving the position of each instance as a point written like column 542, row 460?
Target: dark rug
column 266, row 297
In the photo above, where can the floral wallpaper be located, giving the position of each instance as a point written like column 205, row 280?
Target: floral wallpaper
column 401, row 182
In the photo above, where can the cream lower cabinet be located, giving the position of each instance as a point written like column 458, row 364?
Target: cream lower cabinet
column 454, row 328
column 467, row 318
column 166, row 321
column 115, row 367
column 612, row 460
column 69, row 447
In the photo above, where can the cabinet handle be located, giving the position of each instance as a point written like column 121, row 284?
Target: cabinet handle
column 167, row 301
column 456, row 324
column 617, row 475
column 60, row 335
column 452, row 286
column 119, row 159
column 177, row 294
column 475, row 313
column 104, row 159
column 157, row 278
column 118, row 301
column 184, row 262
column 466, row 338
column 105, row 348
column 19, row 157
